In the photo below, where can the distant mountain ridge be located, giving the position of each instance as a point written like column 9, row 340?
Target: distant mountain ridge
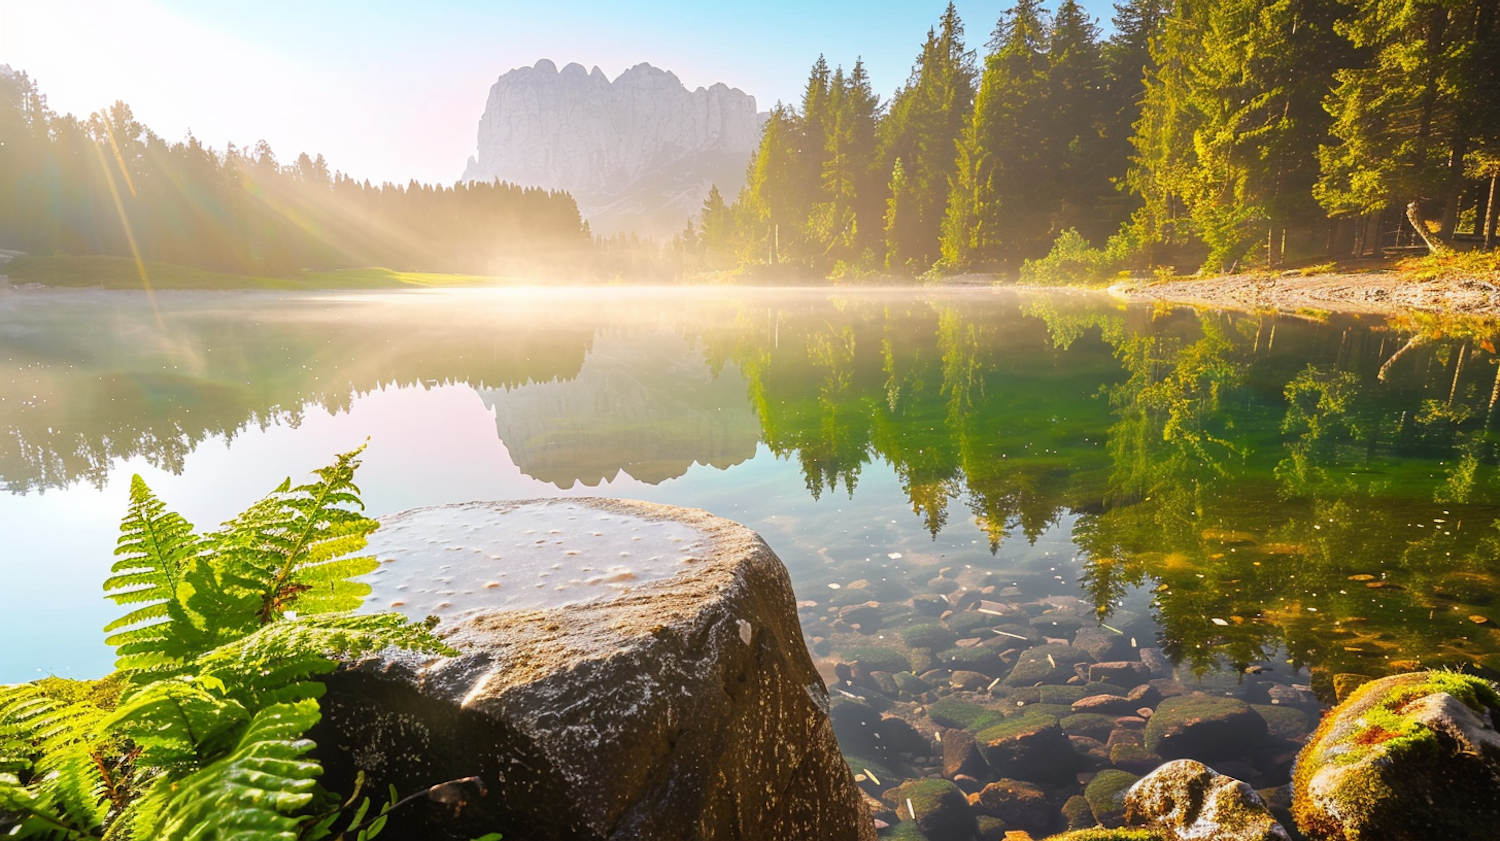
column 638, row 153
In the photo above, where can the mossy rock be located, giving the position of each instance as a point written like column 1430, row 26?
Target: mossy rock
column 951, row 712
column 927, row 604
column 934, row 635
column 1065, row 694
column 877, row 658
column 1054, row 710
column 1204, row 727
column 991, row 828
column 1077, row 814
column 1091, row 725
column 942, row 810
column 980, row 659
column 1100, row 687
column 965, row 622
column 1020, row 804
column 1020, row 695
column 910, row 683
column 1407, row 757
column 884, row 773
column 1028, row 747
column 1287, row 723
column 1109, row 835
column 1051, row 663
column 1106, row 796
column 903, row 831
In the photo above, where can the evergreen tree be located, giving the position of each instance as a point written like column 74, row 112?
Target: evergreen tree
column 1406, row 118
column 922, row 129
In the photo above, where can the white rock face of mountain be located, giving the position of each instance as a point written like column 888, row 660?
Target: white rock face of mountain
column 638, row 153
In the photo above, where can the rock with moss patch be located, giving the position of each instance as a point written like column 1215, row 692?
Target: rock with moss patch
column 1051, row 663
column 1286, row 723
column 1077, row 814
column 1088, row 724
column 991, row 829
column 942, row 811
column 1020, row 804
column 1406, row 757
column 910, row 684
column 1205, row 727
column 1106, row 796
column 951, row 712
column 1188, row 801
column 933, row 635
column 977, row 659
column 961, row 755
column 876, row 658
column 1109, row 835
column 1029, row 747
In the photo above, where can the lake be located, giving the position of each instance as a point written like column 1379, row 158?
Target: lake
column 1313, row 495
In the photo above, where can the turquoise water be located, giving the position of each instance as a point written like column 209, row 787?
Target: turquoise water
column 1247, row 485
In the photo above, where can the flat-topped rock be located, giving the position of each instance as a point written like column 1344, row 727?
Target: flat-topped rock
column 627, row 670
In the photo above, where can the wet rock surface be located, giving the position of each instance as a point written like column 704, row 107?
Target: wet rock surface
column 683, row 705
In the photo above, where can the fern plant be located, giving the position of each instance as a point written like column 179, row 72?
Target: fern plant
column 201, row 732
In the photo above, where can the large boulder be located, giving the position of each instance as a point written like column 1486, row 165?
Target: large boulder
column 1188, row 801
column 1410, row 756
column 1031, row 747
column 627, row 670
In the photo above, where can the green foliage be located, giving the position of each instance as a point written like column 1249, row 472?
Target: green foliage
column 1073, row 261
column 218, row 653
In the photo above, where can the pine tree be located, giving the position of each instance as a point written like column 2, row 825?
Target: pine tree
column 1405, row 118
column 924, row 123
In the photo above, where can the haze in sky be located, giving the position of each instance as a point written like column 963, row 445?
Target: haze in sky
column 390, row 90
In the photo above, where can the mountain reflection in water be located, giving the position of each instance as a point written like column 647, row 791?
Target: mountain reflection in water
column 1319, row 490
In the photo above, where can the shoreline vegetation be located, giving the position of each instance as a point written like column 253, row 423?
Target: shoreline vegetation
column 1442, row 286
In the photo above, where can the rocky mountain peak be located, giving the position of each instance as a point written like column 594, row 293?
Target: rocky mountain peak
column 638, row 152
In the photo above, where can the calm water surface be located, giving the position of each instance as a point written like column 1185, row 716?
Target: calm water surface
column 1244, row 488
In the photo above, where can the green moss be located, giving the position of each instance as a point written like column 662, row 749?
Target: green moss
column 934, row 635
column 908, row 682
column 1054, row 710
column 1017, row 726
column 924, row 794
column 965, row 622
column 951, row 712
column 1287, row 723
column 903, row 831
column 1077, row 813
column 977, row 659
column 877, row 658
column 1108, row 835
column 885, row 774
column 1092, row 725
column 1065, row 694
column 1106, row 795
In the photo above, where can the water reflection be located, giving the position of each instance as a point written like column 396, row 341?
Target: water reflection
column 1318, row 490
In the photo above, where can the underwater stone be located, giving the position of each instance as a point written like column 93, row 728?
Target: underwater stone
column 610, row 709
column 1188, row 801
column 1406, row 757
column 942, row 811
column 1204, row 726
column 1019, row 803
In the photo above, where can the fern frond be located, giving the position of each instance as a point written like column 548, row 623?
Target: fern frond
column 270, row 665
column 178, row 723
column 295, row 542
column 61, row 745
column 154, row 545
column 248, row 794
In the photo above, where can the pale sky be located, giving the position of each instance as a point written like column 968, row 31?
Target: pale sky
column 394, row 90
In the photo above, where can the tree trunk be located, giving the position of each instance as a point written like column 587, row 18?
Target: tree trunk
column 1491, row 215
column 1419, row 224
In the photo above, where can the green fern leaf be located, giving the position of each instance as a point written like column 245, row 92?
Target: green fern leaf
column 248, row 795
column 154, row 545
column 294, row 542
column 178, row 723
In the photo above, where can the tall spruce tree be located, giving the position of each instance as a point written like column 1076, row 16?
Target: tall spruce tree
column 996, row 207
column 921, row 129
column 1406, row 118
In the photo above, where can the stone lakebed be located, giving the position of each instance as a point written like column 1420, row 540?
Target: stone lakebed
column 987, row 710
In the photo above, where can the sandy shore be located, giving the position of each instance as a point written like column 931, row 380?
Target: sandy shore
column 1381, row 293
